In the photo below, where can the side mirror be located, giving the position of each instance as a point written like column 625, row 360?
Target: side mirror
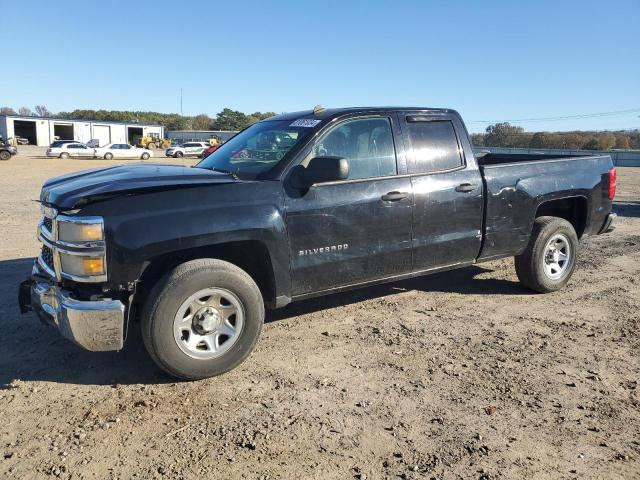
column 320, row 170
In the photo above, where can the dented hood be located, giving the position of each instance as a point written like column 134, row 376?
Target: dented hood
column 81, row 188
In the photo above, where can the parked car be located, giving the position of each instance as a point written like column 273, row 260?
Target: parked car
column 7, row 151
column 58, row 143
column 187, row 149
column 73, row 149
column 210, row 150
column 296, row 206
column 122, row 150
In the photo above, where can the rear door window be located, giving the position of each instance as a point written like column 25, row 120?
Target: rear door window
column 434, row 146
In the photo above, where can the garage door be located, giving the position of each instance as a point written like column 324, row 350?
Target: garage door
column 102, row 133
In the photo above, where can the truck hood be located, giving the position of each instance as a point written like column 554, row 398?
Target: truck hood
column 81, row 188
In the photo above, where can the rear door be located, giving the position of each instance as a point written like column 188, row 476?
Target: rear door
column 74, row 149
column 192, row 148
column 447, row 188
column 115, row 150
column 355, row 230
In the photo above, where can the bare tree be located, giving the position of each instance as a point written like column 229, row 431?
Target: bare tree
column 25, row 111
column 42, row 111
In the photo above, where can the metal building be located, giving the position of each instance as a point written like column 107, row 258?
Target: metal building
column 180, row 136
column 44, row 130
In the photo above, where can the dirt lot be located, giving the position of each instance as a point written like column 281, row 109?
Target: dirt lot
column 458, row 375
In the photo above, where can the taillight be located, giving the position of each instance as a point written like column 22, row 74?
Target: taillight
column 612, row 183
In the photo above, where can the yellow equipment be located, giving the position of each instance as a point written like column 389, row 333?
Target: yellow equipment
column 153, row 141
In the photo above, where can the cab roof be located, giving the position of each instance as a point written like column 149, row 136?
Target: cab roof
column 336, row 112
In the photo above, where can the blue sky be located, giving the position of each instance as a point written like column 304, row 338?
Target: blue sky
column 490, row 60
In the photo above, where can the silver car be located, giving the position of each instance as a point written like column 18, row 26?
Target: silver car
column 188, row 148
column 122, row 150
column 67, row 150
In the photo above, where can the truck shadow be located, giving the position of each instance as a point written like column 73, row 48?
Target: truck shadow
column 454, row 281
column 30, row 350
column 628, row 208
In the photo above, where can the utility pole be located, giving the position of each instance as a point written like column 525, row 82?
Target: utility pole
column 181, row 101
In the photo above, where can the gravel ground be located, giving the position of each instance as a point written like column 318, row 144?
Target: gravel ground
column 458, row 375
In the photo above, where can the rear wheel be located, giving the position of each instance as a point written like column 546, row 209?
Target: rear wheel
column 202, row 319
column 4, row 155
column 549, row 260
column 108, row 156
column 145, row 156
column 64, row 155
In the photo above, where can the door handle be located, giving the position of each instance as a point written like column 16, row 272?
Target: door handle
column 394, row 196
column 466, row 187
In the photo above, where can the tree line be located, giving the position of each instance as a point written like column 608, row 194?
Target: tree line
column 227, row 119
column 507, row 135
column 497, row 135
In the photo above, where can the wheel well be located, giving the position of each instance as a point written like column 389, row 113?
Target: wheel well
column 251, row 256
column 572, row 209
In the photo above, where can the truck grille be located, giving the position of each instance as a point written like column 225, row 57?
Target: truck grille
column 47, row 257
column 48, row 223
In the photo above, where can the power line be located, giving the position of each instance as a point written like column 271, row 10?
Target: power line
column 564, row 117
column 569, row 132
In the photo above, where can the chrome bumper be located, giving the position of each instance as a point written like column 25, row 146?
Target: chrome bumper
column 94, row 325
column 608, row 224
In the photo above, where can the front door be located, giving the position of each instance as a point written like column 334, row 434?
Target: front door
column 447, row 188
column 356, row 230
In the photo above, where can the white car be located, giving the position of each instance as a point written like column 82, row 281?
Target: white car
column 122, row 150
column 72, row 149
column 188, row 148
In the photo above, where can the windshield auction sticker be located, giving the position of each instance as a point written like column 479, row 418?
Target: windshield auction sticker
column 305, row 122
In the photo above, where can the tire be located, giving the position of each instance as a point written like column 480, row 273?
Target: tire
column 4, row 155
column 151, row 146
column 108, row 156
column 178, row 155
column 145, row 156
column 539, row 267
column 164, row 317
column 64, row 155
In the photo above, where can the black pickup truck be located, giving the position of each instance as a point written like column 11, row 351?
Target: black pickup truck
column 299, row 205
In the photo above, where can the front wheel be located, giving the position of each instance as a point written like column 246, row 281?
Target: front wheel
column 178, row 154
column 4, row 155
column 549, row 260
column 145, row 156
column 202, row 319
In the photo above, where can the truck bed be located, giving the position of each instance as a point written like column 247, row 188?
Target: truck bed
column 500, row 158
column 518, row 187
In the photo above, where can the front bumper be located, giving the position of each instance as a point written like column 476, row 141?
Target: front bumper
column 96, row 325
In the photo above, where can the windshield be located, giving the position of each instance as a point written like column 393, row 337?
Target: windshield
column 257, row 149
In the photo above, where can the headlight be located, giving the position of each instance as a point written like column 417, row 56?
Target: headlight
column 82, row 230
column 80, row 265
column 79, row 248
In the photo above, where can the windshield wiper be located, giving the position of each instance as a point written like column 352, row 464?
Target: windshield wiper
column 233, row 175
